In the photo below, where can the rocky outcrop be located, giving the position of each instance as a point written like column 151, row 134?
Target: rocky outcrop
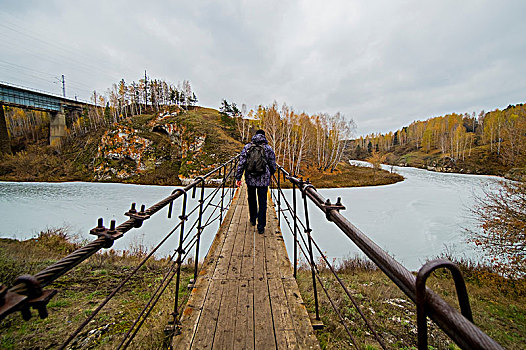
column 126, row 151
column 123, row 153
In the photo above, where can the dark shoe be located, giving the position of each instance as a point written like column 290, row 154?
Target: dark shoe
column 253, row 223
column 261, row 230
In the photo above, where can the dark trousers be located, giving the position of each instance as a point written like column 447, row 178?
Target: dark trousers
column 260, row 214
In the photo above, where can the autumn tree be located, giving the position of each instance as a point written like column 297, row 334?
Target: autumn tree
column 376, row 159
column 501, row 221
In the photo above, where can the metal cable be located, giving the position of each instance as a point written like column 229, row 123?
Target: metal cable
column 112, row 294
column 354, row 302
column 315, row 269
column 452, row 322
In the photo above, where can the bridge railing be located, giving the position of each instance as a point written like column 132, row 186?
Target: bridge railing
column 457, row 325
column 27, row 291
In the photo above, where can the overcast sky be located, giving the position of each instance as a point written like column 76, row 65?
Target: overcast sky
column 382, row 63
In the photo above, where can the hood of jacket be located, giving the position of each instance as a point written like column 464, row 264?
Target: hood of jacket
column 259, row 138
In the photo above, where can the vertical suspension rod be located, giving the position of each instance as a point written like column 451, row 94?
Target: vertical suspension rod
column 179, row 258
column 311, row 256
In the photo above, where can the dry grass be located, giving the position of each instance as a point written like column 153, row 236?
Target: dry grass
column 346, row 175
column 81, row 290
column 501, row 313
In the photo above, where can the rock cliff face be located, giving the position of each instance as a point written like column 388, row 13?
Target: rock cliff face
column 182, row 144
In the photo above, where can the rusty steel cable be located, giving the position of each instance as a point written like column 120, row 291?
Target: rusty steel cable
column 452, row 322
column 149, row 306
column 13, row 298
column 188, row 246
column 54, row 271
column 151, row 303
column 340, row 282
column 318, row 277
column 167, row 274
column 118, row 288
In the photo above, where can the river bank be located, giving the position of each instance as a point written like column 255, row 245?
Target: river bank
column 499, row 305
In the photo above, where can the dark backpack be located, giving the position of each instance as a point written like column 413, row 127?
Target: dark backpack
column 256, row 159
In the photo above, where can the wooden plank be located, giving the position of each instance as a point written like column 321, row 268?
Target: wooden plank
column 304, row 332
column 234, row 269
column 283, row 324
column 224, row 335
column 264, row 337
column 193, row 310
column 206, row 329
column 244, row 326
column 227, row 248
column 247, row 264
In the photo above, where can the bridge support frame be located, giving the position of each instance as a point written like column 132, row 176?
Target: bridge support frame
column 5, row 144
column 57, row 127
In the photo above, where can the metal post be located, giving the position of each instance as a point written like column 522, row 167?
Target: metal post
column 179, row 258
column 63, row 86
column 295, row 229
column 311, row 257
column 222, row 193
column 279, row 200
column 199, row 229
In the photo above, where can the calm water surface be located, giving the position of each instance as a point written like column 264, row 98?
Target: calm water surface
column 413, row 220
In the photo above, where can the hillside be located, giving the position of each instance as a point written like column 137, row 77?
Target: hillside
column 148, row 149
column 492, row 143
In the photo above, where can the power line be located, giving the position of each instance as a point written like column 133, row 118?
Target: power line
column 24, row 32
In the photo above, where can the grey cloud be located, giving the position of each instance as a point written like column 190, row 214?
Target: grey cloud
column 382, row 63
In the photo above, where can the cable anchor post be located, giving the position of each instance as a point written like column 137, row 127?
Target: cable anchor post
column 328, row 207
column 109, row 235
column 139, row 217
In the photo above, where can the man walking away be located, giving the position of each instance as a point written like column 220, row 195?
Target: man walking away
column 258, row 161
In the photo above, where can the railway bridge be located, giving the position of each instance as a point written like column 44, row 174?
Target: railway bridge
column 25, row 98
column 244, row 293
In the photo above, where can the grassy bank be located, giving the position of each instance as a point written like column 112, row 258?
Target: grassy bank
column 80, row 292
column 346, row 175
column 498, row 306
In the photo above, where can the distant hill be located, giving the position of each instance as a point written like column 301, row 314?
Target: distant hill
column 490, row 143
column 149, row 149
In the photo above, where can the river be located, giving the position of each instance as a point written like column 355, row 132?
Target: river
column 416, row 219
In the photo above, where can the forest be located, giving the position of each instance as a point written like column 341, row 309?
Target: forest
column 299, row 140
column 500, row 133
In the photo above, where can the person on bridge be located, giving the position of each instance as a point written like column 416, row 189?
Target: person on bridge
column 258, row 161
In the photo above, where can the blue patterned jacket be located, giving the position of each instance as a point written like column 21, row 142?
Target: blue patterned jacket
column 257, row 180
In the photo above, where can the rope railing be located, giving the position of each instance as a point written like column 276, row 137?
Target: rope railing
column 458, row 326
column 27, row 290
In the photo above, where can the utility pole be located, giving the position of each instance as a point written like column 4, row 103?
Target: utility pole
column 63, row 87
column 145, row 89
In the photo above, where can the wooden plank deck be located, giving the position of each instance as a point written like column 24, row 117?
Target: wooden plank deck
column 246, row 296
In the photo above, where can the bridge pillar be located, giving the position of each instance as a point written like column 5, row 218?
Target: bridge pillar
column 5, row 144
column 57, row 127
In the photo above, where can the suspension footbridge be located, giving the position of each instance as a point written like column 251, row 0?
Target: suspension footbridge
column 244, row 293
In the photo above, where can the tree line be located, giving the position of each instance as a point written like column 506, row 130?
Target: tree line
column 455, row 135
column 296, row 137
column 123, row 100
column 120, row 101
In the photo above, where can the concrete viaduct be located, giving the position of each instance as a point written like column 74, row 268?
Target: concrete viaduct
column 29, row 99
